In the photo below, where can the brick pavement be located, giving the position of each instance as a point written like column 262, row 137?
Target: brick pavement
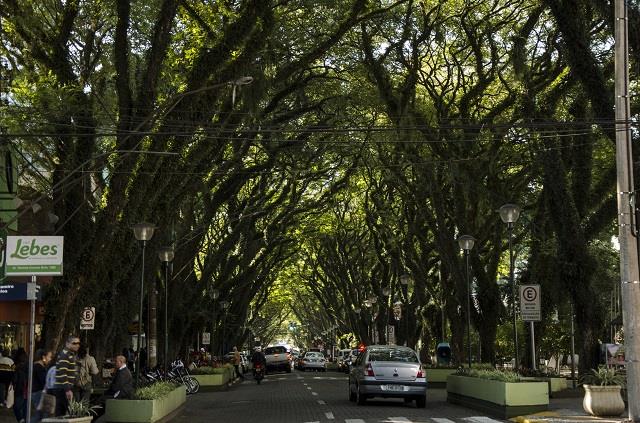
column 309, row 397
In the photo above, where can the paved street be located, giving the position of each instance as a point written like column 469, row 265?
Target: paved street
column 314, row 397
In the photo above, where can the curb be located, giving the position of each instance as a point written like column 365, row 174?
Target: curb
column 555, row 417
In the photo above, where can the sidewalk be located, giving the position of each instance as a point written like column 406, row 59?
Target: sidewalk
column 564, row 409
column 567, row 407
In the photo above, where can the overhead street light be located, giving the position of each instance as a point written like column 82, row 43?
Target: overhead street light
column 466, row 243
column 166, row 255
column 509, row 213
column 143, row 232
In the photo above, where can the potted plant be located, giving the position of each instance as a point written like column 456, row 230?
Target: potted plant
column 77, row 412
column 602, row 392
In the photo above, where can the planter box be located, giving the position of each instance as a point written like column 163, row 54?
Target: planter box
column 213, row 382
column 501, row 399
column 133, row 411
column 556, row 384
column 437, row 378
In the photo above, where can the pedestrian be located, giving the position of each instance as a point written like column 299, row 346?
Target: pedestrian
column 65, row 374
column 87, row 370
column 237, row 360
column 6, row 375
column 21, row 385
column 40, row 366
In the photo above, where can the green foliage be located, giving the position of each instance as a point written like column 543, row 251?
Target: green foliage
column 81, row 409
column 156, row 391
column 604, row 376
column 487, row 371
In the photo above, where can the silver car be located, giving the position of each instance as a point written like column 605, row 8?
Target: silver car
column 313, row 361
column 388, row 371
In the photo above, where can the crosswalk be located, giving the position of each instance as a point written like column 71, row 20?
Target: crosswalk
column 474, row 419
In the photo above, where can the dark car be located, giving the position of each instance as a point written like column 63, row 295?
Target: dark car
column 388, row 371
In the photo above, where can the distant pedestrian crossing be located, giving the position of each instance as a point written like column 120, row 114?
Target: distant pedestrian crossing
column 329, row 417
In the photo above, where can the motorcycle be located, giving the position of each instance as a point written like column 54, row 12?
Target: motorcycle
column 258, row 373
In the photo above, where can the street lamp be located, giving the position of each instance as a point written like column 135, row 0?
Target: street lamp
column 404, row 281
column 166, row 254
column 466, row 243
column 215, row 294
column 224, row 305
column 509, row 213
column 143, row 232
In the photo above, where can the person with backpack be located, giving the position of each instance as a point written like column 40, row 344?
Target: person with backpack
column 87, row 370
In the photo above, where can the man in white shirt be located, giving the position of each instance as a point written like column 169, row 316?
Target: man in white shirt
column 6, row 375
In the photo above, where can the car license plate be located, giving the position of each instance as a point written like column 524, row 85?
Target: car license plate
column 398, row 388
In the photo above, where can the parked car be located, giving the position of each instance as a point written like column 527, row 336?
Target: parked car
column 313, row 360
column 278, row 358
column 388, row 371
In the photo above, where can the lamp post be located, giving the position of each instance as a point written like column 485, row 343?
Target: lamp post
column 404, row 281
column 143, row 232
column 224, row 305
column 466, row 243
column 387, row 293
column 166, row 254
column 509, row 213
column 215, row 294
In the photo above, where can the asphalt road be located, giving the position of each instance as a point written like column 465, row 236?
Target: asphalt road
column 314, row 397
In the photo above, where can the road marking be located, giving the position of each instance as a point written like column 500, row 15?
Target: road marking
column 319, row 402
column 314, row 393
column 312, row 422
column 354, row 421
column 480, row 419
column 329, row 415
column 309, row 387
column 439, row 420
column 397, row 420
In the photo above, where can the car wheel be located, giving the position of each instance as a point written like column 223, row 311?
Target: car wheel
column 421, row 402
column 360, row 399
column 407, row 400
column 352, row 395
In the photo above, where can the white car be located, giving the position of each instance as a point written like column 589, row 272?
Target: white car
column 313, row 361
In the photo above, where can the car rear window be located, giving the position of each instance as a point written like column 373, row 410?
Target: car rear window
column 275, row 350
column 406, row 356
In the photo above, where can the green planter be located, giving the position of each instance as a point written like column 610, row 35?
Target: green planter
column 134, row 411
column 213, row 382
column 502, row 399
column 556, row 384
column 437, row 377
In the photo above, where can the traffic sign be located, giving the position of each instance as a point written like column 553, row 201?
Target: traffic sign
column 530, row 303
column 88, row 319
column 19, row 291
column 206, row 338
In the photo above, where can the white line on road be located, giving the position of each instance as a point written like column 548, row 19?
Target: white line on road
column 329, row 415
column 314, row 393
column 354, row 421
column 397, row 420
column 480, row 419
column 309, row 387
column 441, row 420
column 319, row 402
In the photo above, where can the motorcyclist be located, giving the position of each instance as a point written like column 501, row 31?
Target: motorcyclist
column 258, row 357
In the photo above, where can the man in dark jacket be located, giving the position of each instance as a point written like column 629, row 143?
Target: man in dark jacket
column 122, row 384
column 65, row 374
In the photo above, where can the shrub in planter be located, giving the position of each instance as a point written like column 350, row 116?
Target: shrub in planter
column 207, row 370
column 77, row 412
column 602, row 392
column 156, row 391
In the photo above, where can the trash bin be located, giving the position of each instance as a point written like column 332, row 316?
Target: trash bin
column 443, row 353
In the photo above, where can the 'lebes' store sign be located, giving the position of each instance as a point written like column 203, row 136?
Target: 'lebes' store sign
column 34, row 255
